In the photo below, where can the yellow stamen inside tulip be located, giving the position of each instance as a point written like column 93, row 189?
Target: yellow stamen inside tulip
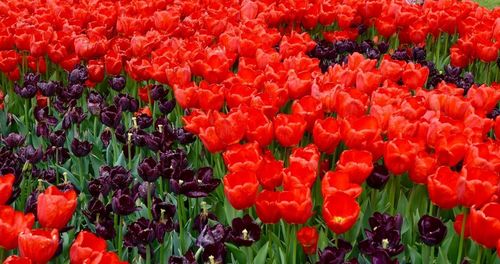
column 245, row 234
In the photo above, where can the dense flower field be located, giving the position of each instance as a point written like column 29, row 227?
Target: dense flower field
column 252, row 131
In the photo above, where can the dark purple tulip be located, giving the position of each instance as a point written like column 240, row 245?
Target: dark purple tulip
column 188, row 258
column 120, row 177
column 385, row 222
column 141, row 189
column 25, row 91
column 76, row 115
column 244, row 231
column 162, row 210
column 59, row 153
column 31, row 78
column 380, row 240
column 140, row 232
column 400, row 54
column 173, row 163
column 494, row 113
column 105, row 228
column 13, row 140
column 154, row 141
column 95, row 209
column 32, row 203
column 57, row 138
column 80, row 148
column 378, row 177
column 166, row 106
column 139, row 137
column 365, row 45
column 214, row 253
column 117, row 83
column 432, row 230
column 126, row 103
column 201, row 220
column 144, row 121
column 106, row 137
column 111, row 116
column 30, row 154
column 149, row 170
column 194, row 185
column 157, row 92
column 48, row 175
column 74, row 91
column 50, row 88
column 42, row 115
column 335, row 255
column 123, row 203
column 121, row 133
column 383, row 47
column 381, row 257
column 99, row 186
column 68, row 186
column 78, row 75
column 211, row 235
column 94, row 102
column 373, row 54
column 184, row 137
column 324, row 50
column 419, row 54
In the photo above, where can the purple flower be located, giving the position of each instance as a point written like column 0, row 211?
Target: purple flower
column 335, row 255
column 244, row 231
column 117, row 83
column 194, row 185
column 57, row 138
column 123, row 203
column 149, row 170
column 95, row 102
column 111, row 116
column 431, row 229
column 188, row 258
column 126, row 103
column 78, row 75
column 80, row 148
column 13, row 140
column 378, row 177
column 211, row 235
column 50, row 88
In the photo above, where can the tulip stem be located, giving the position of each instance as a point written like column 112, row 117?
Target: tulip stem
column 180, row 215
column 462, row 232
column 2, row 254
column 148, row 254
column 479, row 255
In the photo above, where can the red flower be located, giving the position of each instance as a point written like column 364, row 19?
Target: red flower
column 11, row 224
column 304, row 164
column 211, row 140
column 295, row 206
column 8, row 60
column 289, row 129
column 339, row 181
column 485, row 224
column 309, row 108
column 308, row 239
column 104, row 258
column 246, row 157
column 415, row 75
column 113, row 62
column 399, row 155
column 230, row 128
column 326, row 134
column 357, row 163
column 477, row 186
column 38, row 245
column 6, row 185
column 241, row 189
column 450, row 148
column 96, row 71
column 55, row 208
column 269, row 172
column 340, row 212
column 260, row 128
column 457, row 225
column 17, row 260
column 360, row 132
column 442, row 187
column 212, row 96
column 497, row 128
column 85, row 245
column 266, row 206
column 424, row 165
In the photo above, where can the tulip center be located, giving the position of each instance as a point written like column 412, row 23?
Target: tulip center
column 211, row 259
column 385, row 243
column 181, row 182
column 245, row 234
column 338, row 219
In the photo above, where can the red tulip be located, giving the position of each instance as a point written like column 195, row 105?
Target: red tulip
column 358, row 164
column 266, row 206
column 241, row 189
column 340, row 212
column 308, row 239
column 442, row 187
column 230, row 128
column 260, row 128
column 17, row 260
column 8, row 60
column 360, row 132
column 55, row 208
column 339, row 181
column 477, row 186
column 104, row 258
column 399, row 155
column 211, row 140
column 304, row 164
column 415, row 75
column 457, row 225
column 295, row 206
column 269, row 172
column 326, row 134
column 38, row 245
column 243, row 157
column 289, row 129
column 6, row 185
column 309, row 108
column 11, row 224
column 85, row 246
column 424, row 165
column 485, row 224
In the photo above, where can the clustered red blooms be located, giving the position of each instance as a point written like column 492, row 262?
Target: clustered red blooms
column 253, row 68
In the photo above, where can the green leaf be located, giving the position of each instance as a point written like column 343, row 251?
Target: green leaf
column 414, row 255
column 442, row 257
column 262, row 254
column 237, row 253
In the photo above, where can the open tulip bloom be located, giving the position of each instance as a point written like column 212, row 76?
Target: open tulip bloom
column 250, row 131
